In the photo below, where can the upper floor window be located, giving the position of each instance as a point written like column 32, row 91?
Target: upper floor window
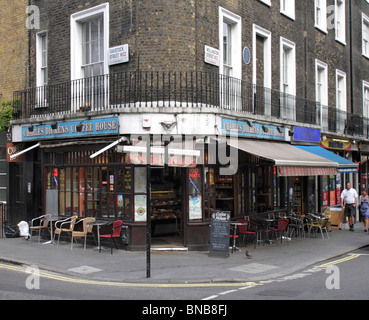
column 321, row 15
column 288, row 8
column 365, row 36
column 230, row 44
column 41, row 59
column 93, row 47
column 227, row 49
column 90, row 42
column 321, row 89
column 340, row 21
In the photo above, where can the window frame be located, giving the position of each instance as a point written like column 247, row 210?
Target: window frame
column 226, row 16
column 340, row 36
column 322, row 23
column 289, row 10
column 365, row 23
column 76, row 37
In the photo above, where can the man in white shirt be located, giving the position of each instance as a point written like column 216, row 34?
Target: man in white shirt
column 348, row 202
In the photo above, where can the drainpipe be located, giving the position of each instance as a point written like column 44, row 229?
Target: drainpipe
column 351, row 63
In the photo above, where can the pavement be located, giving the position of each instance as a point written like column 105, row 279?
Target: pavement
column 267, row 262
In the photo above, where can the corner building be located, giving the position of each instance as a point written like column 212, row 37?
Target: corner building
column 243, row 95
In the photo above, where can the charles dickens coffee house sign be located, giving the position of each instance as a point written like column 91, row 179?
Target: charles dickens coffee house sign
column 70, row 129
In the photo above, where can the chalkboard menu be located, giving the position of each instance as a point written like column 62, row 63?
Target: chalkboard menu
column 219, row 232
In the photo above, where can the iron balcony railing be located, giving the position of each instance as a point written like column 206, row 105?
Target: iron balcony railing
column 153, row 89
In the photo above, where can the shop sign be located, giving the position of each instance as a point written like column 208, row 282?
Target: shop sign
column 68, row 129
column 336, row 144
column 256, row 130
column 12, row 149
column 311, row 135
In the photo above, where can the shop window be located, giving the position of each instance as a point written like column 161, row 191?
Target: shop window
column 97, row 191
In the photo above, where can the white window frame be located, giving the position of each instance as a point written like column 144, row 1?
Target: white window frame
column 267, row 35
column 39, row 53
column 231, row 72
column 83, row 92
column 76, row 37
column 288, row 8
column 322, row 67
column 340, row 21
column 365, row 41
column 366, row 107
column 320, row 24
column 41, row 70
column 288, row 110
column 341, row 104
column 236, row 35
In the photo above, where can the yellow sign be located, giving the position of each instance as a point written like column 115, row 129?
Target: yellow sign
column 336, row 144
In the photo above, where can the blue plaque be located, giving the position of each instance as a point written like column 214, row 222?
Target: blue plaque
column 246, row 55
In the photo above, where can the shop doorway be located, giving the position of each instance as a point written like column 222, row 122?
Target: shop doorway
column 167, row 207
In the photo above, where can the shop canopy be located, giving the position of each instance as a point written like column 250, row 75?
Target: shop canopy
column 289, row 160
column 344, row 165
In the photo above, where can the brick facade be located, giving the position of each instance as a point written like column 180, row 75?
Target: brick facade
column 171, row 35
column 13, row 47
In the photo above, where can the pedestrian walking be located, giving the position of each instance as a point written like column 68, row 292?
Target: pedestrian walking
column 349, row 198
column 364, row 209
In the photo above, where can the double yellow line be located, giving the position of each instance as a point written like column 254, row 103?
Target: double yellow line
column 127, row 284
column 350, row 257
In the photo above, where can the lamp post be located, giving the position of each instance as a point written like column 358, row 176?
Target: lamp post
column 148, row 205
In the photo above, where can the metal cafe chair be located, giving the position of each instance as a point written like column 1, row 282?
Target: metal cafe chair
column 87, row 230
column 244, row 231
column 65, row 225
column 42, row 225
column 115, row 233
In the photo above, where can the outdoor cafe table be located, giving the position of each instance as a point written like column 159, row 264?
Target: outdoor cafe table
column 265, row 222
column 98, row 224
column 51, row 220
column 235, row 225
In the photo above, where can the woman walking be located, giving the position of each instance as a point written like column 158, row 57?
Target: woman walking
column 364, row 209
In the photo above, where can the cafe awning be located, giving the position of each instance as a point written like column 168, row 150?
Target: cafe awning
column 344, row 165
column 289, row 160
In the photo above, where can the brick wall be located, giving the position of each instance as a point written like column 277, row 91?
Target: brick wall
column 171, row 35
column 13, row 47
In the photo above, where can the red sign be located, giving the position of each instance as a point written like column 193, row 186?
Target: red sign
column 12, row 149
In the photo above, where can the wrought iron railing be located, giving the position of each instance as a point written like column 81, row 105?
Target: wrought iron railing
column 153, row 89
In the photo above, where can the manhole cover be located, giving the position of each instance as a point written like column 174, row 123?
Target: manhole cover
column 85, row 270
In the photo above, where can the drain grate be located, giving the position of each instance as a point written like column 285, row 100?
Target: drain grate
column 85, row 269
